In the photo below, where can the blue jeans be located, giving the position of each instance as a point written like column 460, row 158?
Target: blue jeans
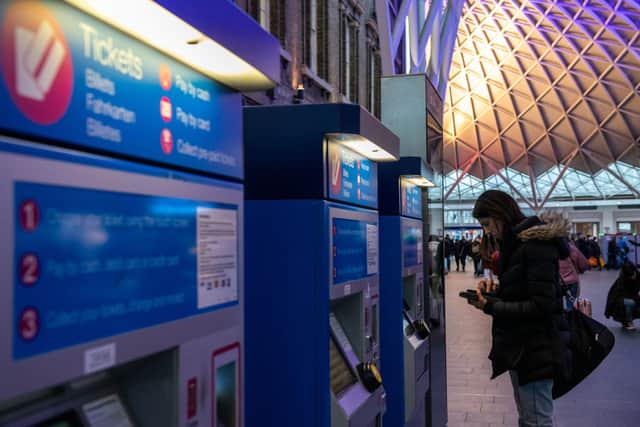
column 631, row 309
column 534, row 402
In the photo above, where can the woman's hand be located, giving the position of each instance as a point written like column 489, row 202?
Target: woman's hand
column 480, row 303
column 484, row 285
column 487, row 285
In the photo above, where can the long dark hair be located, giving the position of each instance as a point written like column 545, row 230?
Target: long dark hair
column 500, row 206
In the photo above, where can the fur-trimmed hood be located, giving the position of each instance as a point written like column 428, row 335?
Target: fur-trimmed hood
column 546, row 227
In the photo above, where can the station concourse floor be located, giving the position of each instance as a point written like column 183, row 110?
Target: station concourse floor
column 609, row 397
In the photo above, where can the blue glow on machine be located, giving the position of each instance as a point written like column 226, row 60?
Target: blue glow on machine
column 312, row 296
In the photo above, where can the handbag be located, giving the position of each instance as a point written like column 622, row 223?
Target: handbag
column 589, row 344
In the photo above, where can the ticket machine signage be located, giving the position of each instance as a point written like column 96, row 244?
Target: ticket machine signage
column 410, row 199
column 352, row 178
column 72, row 78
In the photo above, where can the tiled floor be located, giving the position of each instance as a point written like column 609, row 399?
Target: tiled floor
column 610, row 397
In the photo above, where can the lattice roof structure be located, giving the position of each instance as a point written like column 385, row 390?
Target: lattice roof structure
column 543, row 101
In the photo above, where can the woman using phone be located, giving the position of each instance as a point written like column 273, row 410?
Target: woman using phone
column 527, row 308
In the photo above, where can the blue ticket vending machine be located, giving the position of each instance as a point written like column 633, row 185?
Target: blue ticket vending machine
column 109, row 262
column 404, row 332
column 312, row 292
column 121, row 177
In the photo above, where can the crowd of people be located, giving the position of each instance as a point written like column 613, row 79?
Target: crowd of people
column 584, row 253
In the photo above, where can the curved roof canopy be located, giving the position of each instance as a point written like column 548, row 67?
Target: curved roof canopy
column 543, row 101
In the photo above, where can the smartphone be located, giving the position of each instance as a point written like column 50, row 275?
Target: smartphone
column 471, row 295
column 225, row 384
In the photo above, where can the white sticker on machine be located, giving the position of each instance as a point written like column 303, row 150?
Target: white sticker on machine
column 217, row 235
column 106, row 412
column 98, row 358
column 372, row 249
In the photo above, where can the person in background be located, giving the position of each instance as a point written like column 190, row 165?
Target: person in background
column 582, row 246
column 477, row 258
column 489, row 254
column 612, row 248
column 463, row 247
column 527, row 304
column 457, row 251
column 623, row 299
column 623, row 250
column 596, row 251
column 448, row 251
column 570, row 269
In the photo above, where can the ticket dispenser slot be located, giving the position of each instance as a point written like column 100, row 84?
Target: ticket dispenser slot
column 355, row 385
column 409, row 293
column 348, row 311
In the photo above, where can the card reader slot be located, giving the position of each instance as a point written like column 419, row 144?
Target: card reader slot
column 342, row 377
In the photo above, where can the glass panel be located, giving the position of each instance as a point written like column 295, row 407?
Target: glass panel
column 467, row 218
column 226, row 395
column 452, row 217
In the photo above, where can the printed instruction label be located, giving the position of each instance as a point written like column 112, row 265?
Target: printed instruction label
column 372, row 249
column 106, row 412
column 99, row 358
column 217, row 236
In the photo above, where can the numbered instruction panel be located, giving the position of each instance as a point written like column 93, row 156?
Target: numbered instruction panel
column 92, row 262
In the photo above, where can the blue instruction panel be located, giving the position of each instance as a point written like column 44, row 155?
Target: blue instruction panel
column 67, row 76
column 410, row 199
column 411, row 244
column 92, row 264
column 352, row 178
column 355, row 249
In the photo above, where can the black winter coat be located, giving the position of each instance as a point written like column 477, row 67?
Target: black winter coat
column 528, row 323
column 623, row 288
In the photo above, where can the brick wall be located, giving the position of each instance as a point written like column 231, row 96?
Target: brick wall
column 289, row 21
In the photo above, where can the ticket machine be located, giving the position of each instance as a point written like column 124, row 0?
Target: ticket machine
column 412, row 108
column 312, row 330
column 404, row 332
column 121, row 185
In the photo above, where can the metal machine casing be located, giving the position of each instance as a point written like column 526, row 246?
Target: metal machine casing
column 302, row 295
column 93, row 144
column 403, row 293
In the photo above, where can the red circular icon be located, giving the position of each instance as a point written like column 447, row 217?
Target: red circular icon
column 29, row 269
column 29, row 324
column 36, row 62
column 165, row 77
column 29, row 215
column 166, row 141
column 336, row 172
column 165, row 109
